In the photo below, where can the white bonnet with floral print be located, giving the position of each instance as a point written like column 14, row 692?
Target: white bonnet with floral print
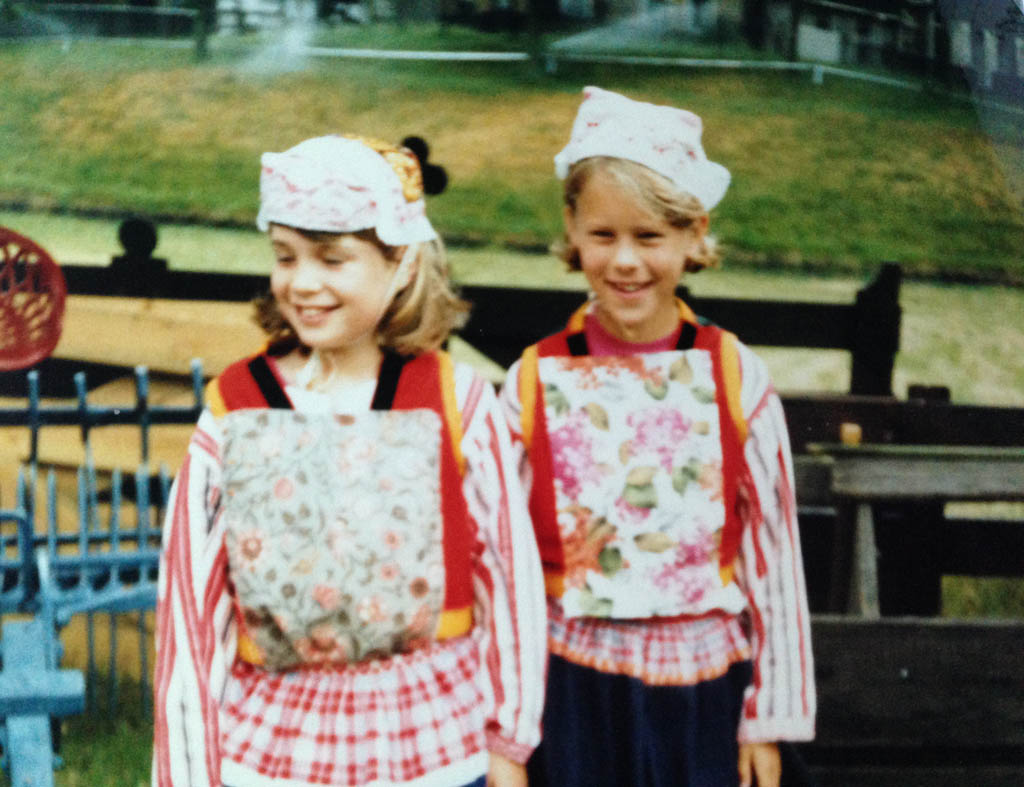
column 342, row 184
column 663, row 138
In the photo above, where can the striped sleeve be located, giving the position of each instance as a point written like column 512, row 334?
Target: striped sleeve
column 780, row 702
column 508, row 583
column 511, row 408
column 195, row 632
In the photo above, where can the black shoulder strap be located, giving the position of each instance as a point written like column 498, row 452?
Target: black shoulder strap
column 687, row 336
column 267, row 382
column 577, row 343
column 387, row 382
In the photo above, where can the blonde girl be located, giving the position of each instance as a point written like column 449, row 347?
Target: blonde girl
column 660, row 481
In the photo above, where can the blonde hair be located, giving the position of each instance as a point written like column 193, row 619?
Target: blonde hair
column 655, row 192
column 419, row 318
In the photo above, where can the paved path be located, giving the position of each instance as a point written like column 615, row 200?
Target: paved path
column 662, row 21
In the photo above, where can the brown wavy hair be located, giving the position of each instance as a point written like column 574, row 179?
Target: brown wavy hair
column 420, row 317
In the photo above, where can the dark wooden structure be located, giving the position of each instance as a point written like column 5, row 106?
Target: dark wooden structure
column 912, row 702
column 505, row 319
column 906, row 697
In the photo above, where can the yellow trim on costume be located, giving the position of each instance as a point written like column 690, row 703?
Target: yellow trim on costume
column 214, row 400
column 446, row 373
column 578, row 317
column 686, row 314
column 454, row 622
column 732, row 379
column 554, row 583
column 248, row 651
column 528, row 392
column 726, row 574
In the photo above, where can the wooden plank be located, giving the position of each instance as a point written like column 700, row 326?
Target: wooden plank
column 982, row 547
column 951, row 473
column 783, row 323
column 152, row 279
column 507, row 319
column 539, row 312
column 918, row 776
column 911, row 453
column 864, row 576
column 815, row 418
column 957, row 424
column 901, row 682
column 161, row 334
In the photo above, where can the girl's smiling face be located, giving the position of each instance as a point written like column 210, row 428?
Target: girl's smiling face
column 330, row 289
column 632, row 258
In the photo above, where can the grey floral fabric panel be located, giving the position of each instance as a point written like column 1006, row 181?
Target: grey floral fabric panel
column 334, row 533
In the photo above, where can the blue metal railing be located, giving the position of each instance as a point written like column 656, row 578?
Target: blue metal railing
column 100, row 559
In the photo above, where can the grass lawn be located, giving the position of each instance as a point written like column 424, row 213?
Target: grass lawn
column 826, row 178
column 102, row 750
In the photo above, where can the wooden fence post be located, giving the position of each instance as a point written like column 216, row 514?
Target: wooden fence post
column 877, row 333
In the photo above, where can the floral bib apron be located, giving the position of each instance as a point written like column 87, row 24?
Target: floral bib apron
column 334, row 531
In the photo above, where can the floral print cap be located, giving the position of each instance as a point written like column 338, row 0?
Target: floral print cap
column 344, row 184
column 665, row 139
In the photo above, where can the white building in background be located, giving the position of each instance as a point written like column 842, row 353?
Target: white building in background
column 984, row 40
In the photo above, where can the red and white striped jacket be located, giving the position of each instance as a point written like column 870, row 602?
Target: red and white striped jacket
column 773, row 630
column 421, row 719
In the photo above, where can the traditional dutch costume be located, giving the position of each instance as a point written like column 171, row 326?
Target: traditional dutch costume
column 350, row 592
column 345, row 594
column 660, row 489
column 660, row 485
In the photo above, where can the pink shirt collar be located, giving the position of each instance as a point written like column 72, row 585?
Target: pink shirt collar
column 601, row 342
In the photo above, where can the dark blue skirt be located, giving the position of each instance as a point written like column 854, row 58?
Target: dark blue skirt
column 602, row 730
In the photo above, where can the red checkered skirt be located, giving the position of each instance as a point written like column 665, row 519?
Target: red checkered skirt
column 392, row 721
column 679, row 651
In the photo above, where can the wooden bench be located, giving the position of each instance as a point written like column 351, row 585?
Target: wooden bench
column 911, row 701
column 914, row 700
column 33, row 691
